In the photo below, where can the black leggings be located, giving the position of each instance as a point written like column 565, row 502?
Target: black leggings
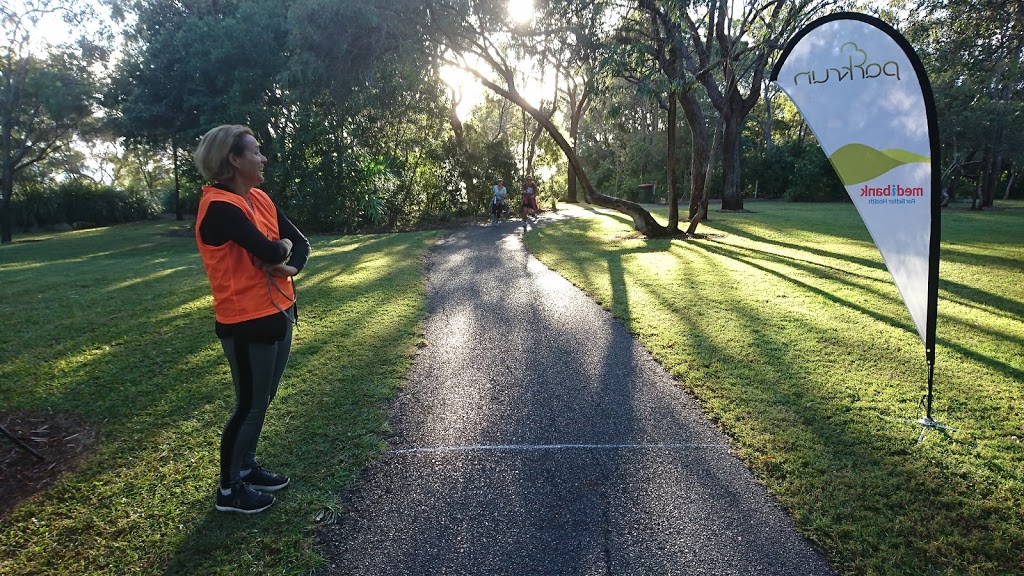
column 256, row 370
column 498, row 208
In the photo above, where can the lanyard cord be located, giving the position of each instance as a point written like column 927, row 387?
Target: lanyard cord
column 293, row 319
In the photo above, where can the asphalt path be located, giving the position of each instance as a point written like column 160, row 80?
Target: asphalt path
column 535, row 436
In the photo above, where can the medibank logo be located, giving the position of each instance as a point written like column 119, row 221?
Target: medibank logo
column 892, row 194
column 892, row 190
column 857, row 68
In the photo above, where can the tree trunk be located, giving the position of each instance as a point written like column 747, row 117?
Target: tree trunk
column 982, row 190
column 577, row 108
column 6, row 221
column 948, row 188
column 708, row 170
column 571, row 194
column 671, row 131
column 769, row 120
column 461, row 150
column 522, row 151
column 732, row 198
column 531, row 153
column 7, row 191
column 977, row 203
column 699, row 149
column 177, row 181
column 988, row 199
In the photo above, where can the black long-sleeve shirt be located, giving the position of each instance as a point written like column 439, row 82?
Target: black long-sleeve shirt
column 225, row 222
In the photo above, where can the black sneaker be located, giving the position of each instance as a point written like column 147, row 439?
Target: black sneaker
column 264, row 480
column 243, row 499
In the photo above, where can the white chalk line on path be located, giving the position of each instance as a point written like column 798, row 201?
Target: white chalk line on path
column 542, row 447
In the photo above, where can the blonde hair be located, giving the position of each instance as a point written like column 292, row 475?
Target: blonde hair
column 215, row 146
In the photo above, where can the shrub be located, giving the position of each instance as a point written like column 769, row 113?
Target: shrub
column 189, row 199
column 39, row 206
column 768, row 176
column 35, row 206
column 813, row 179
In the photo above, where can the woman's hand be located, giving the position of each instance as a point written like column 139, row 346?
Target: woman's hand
column 288, row 247
column 280, row 270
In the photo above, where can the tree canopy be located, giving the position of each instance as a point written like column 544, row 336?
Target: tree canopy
column 46, row 99
column 350, row 103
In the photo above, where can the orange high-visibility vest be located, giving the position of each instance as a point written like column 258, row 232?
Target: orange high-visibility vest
column 240, row 289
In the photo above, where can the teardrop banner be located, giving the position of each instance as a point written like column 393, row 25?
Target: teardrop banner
column 864, row 93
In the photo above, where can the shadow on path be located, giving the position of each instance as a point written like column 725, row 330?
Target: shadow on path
column 535, row 436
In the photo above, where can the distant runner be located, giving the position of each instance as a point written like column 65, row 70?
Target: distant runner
column 499, row 201
column 529, row 199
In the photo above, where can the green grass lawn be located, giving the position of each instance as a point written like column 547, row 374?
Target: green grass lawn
column 115, row 326
column 784, row 323
column 787, row 327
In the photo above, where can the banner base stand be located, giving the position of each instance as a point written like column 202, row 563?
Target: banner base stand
column 926, row 424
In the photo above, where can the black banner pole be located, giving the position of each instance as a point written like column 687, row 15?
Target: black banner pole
column 928, row 405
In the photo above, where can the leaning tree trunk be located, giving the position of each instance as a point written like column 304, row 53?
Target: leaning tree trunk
column 699, row 149
column 579, row 102
column 534, row 137
column 708, row 170
column 642, row 219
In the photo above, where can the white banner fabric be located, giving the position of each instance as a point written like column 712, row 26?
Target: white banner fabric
column 859, row 93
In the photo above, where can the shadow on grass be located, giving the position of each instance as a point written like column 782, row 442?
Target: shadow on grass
column 326, row 424
column 997, row 366
column 959, row 256
column 130, row 347
column 967, row 295
column 813, row 444
column 80, row 246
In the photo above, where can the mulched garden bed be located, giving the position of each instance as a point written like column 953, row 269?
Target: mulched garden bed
column 61, row 439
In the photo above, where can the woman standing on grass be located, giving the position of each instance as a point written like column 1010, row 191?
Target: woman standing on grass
column 250, row 251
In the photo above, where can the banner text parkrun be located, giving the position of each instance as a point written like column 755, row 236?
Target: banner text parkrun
column 892, row 194
column 864, row 70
